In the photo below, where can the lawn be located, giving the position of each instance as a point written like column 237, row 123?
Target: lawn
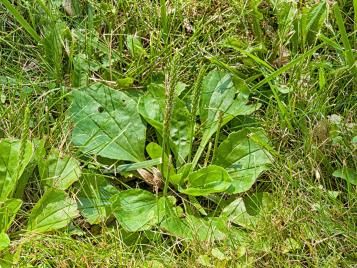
column 211, row 133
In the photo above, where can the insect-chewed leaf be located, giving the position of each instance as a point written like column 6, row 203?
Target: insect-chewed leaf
column 206, row 181
column 13, row 161
column 53, row 211
column 94, row 197
column 107, row 124
column 138, row 210
column 244, row 156
column 57, row 172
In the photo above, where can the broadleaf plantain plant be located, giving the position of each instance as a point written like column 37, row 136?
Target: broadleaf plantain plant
column 112, row 124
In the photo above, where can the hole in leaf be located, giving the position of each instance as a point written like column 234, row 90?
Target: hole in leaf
column 100, row 109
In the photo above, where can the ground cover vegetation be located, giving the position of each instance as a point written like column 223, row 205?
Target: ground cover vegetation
column 178, row 133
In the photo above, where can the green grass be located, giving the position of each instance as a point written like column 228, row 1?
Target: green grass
column 45, row 53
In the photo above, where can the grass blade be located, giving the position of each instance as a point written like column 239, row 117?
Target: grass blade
column 164, row 19
column 20, row 19
column 286, row 67
column 135, row 166
column 344, row 37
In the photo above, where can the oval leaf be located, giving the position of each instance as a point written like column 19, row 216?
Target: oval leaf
column 107, row 124
column 53, row 211
column 206, row 181
column 242, row 154
column 247, row 212
column 348, row 174
column 135, row 47
column 138, row 210
column 4, row 241
column 219, row 104
column 8, row 210
column 94, row 197
column 57, row 172
column 13, row 160
column 152, row 107
column 194, row 228
column 155, row 151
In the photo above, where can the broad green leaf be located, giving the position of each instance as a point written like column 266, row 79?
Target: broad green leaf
column 194, row 228
column 125, row 82
column 59, row 172
column 39, row 154
column 181, row 174
column 138, row 210
column 94, row 197
column 236, row 212
column 180, row 87
column 218, row 94
column 155, row 151
column 177, row 227
column 80, row 72
column 135, row 47
column 289, row 245
column 220, row 102
column 206, row 181
column 204, row 260
column 13, row 161
column 53, row 211
column 152, row 107
column 4, row 241
column 247, row 211
column 8, row 210
column 244, row 156
column 107, row 124
column 348, row 174
column 218, row 254
column 257, row 202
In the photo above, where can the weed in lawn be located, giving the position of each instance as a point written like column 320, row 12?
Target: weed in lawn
column 238, row 115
